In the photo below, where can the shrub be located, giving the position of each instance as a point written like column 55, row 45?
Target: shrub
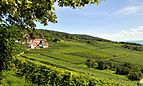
column 128, row 65
column 105, row 64
column 134, row 75
column 122, row 70
column 56, row 39
column 135, row 68
column 91, row 64
column 88, row 42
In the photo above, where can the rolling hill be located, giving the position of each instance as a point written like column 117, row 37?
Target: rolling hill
column 81, row 60
column 139, row 42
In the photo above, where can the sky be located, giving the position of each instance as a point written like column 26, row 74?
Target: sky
column 117, row 20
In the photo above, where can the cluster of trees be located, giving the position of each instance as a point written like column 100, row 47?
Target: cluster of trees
column 134, row 72
column 101, row 64
column 38, row 33
column 133, row 47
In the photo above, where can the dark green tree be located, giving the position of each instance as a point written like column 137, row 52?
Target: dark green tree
column 7, row 41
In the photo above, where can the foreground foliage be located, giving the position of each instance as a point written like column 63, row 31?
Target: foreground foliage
column 7, row 41
column 10, row 79
column 25, row 12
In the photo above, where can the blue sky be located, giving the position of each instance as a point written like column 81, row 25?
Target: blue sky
column 118, row 20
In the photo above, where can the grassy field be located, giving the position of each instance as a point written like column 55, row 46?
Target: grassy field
column 10, row 79
column 73, row 55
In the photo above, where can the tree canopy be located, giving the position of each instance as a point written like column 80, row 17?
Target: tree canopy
column 25, row 12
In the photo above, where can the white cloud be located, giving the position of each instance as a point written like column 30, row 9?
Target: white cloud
column 92, row 14
column 132, row 34
column 133, row 7
column 128, row 10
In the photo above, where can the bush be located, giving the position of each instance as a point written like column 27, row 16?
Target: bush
column 134, row 75
column 91, row 64
column 135, row 68
column 102, row 65
column 105, row 64
column 128, row 65
column 122, row 70
column 56, row 39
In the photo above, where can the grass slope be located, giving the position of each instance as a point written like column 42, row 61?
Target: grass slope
column 10, row 79
column 73, row 55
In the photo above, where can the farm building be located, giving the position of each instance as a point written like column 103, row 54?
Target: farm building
column 34, row 43
column 38, row 43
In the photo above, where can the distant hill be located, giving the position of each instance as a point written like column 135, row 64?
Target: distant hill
column 138, row 42
column 67, row 36
column 50, row 34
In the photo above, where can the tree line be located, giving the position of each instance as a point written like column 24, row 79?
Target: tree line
column 134, row 72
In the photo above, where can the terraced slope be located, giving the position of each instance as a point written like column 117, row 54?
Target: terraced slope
column 73, row 55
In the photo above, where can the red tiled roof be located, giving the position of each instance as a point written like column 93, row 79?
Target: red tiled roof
column 36, row 42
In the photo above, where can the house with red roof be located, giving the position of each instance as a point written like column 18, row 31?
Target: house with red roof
column 38, row 43
column 33, row 43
